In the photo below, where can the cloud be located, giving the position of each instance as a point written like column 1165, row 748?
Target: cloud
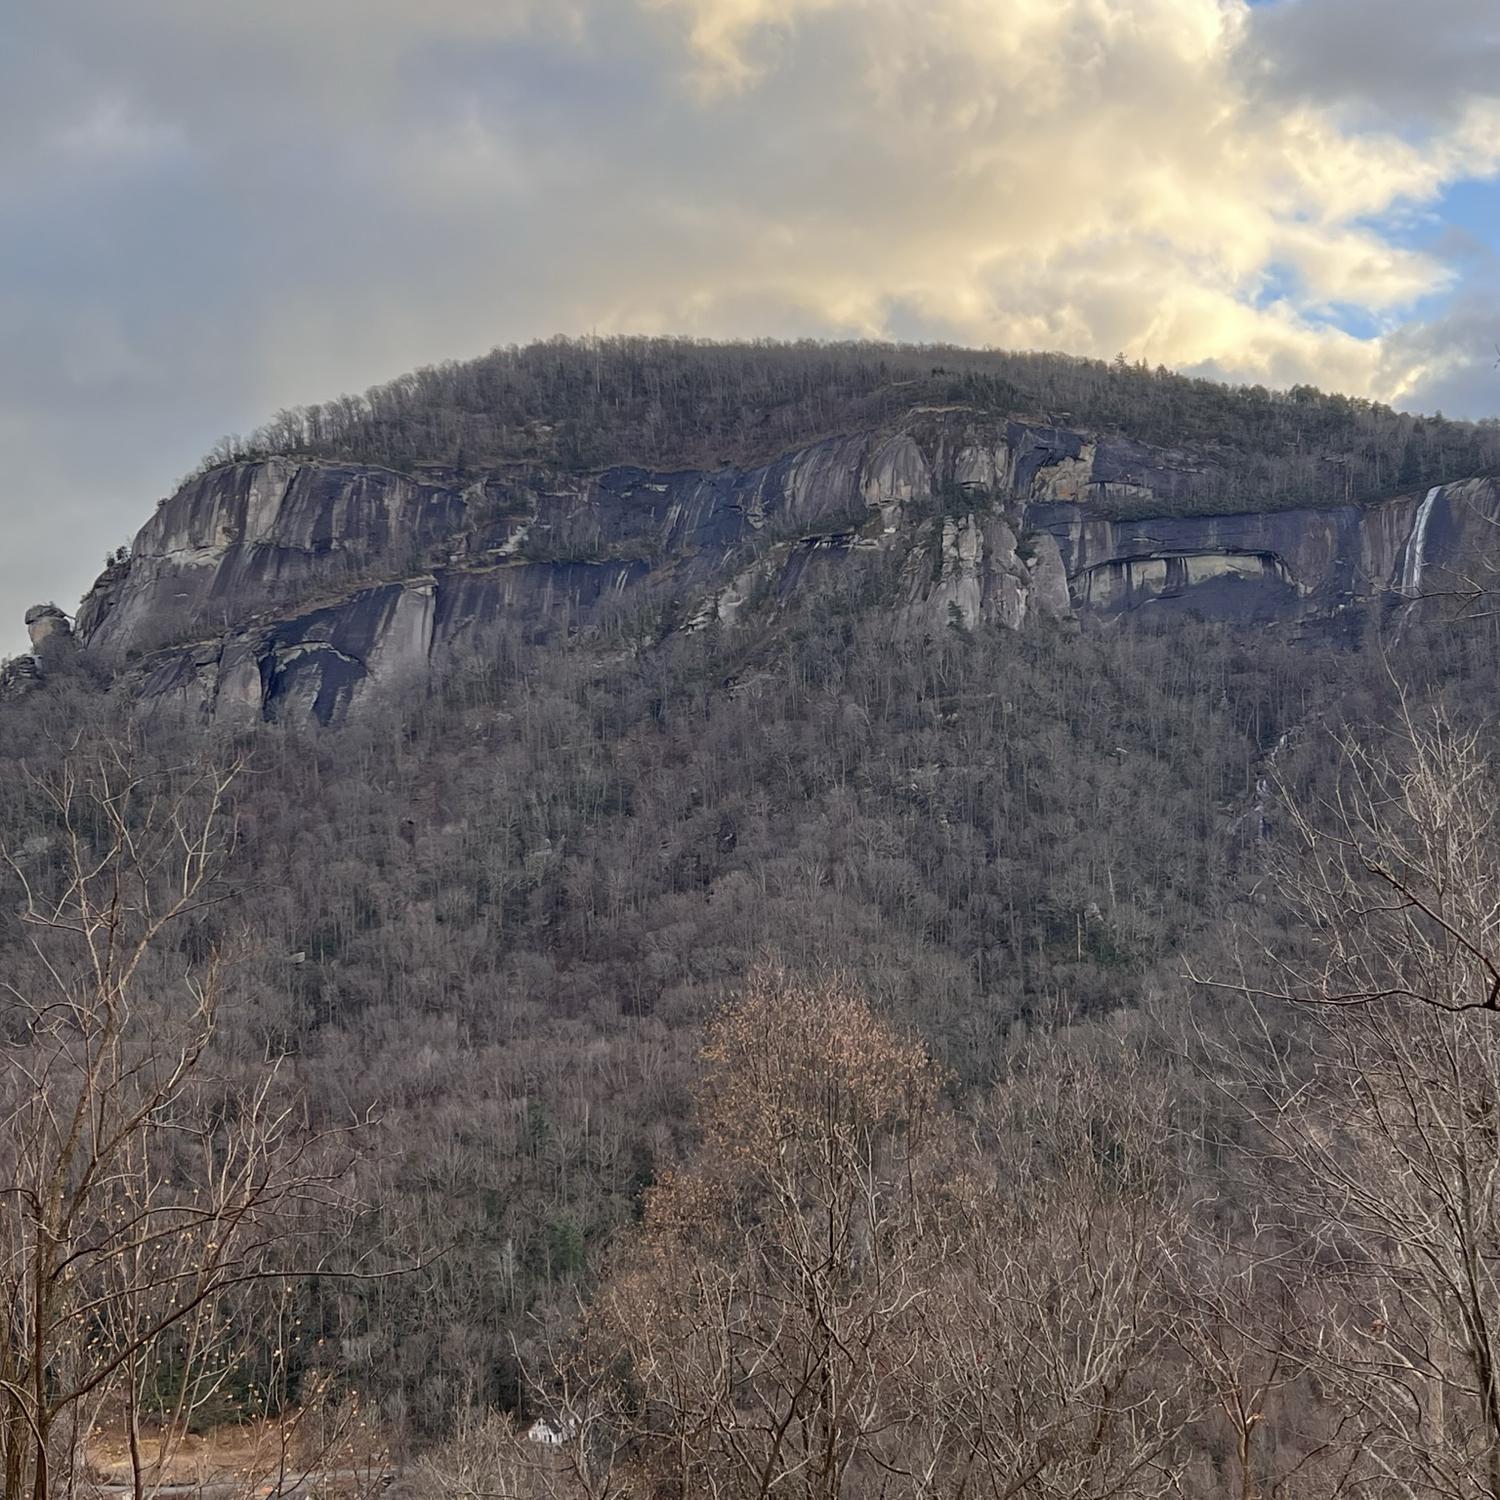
column 111, row 132
column 1095, row 174
column 207, row 212
column 736, row 40
column 1420, row 64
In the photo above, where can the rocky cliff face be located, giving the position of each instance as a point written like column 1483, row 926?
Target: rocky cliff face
column 1307, row 564
column 286, row 587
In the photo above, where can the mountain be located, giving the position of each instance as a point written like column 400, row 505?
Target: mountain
column 540, row 701
column 295, row 583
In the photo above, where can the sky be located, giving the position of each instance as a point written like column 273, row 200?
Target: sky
column 212, row 210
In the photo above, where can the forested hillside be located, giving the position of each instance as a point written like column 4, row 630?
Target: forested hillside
column 495, row 922
column 810, row 1056
column 665, row 403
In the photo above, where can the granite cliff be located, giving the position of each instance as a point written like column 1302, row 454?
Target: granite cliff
column 286, row 586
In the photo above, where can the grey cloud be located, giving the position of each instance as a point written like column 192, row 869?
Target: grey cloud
column 1459, row 350
column 1412, row 62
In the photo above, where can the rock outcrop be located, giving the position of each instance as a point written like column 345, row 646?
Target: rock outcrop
column 1301, row 564
column 287, row 587
column 48, row 629
column 51, row 636
column 18, row 677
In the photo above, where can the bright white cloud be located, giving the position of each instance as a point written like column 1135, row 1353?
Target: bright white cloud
column 1098, row 174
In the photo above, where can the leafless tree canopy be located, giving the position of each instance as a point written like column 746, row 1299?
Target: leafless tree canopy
column 805, row 1063
column 151, row 1182
column 677, row 402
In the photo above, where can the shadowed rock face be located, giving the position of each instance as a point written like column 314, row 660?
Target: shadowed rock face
column 318, row 662
column 294, row 588
column 1287, row 565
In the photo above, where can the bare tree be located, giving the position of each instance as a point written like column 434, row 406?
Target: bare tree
column 844, row 1294
column 146, row 1178
column 1055, row 1357
column 776, row 1284
column 1244, row 1299
column 1379, row 1132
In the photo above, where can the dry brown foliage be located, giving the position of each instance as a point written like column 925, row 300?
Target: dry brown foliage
column 842, row 1294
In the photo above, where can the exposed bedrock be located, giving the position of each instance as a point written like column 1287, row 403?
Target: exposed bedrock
column 51, row 637
column 48, row 629
column 316, row 664
column 251, row 537
column 267, row 537
column 285, row 587
column 975, row 570
column 1288, row 564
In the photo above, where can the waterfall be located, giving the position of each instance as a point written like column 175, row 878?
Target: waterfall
column 1416, row 543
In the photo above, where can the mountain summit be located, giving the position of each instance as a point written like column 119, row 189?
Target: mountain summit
column 351, row 547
